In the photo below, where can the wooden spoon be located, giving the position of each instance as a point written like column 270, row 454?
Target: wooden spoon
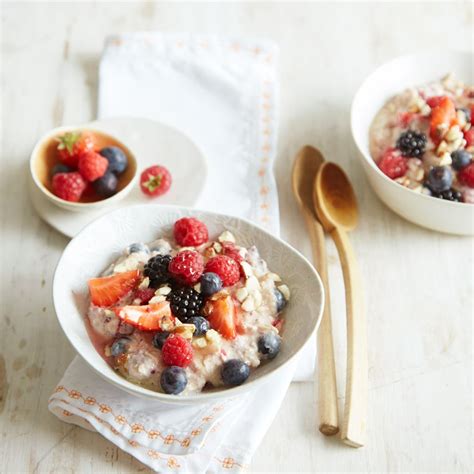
column 305, row 167
column 336, row 207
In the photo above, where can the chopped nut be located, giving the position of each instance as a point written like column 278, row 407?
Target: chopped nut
column 445, row 159
column 241, row 294
column 454, row 133
column 252, row 283
column 144, row 284
column 164, row 290
column 210, row 252
column 185, row 330
column 197, row 287
column 461, row 118
column 213, row 337
column 257, row 297
column 167, row 324
column 247, row 268
column 249, row 303
column 274, row 276
column 199, row 342
column 285, row 291
column 226, row 236
column 217, row 247
column 107, row 351
column 442, row 147
column 157, row 299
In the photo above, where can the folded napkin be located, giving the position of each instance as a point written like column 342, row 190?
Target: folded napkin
column 222, row 93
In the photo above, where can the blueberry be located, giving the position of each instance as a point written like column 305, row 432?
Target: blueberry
column 440, row 179
column 280, row 300
column 461, row 158
column 210, row 284
column 202, row 325
column 137, row 247
column 173, row 380
column 159, row 339
column 116, row 158
column 235, row 372
column 120, row 346
column 107, row 185
column 269, row 345
column 60, row 168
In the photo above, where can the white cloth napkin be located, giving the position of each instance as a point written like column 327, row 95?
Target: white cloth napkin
column 221, row 92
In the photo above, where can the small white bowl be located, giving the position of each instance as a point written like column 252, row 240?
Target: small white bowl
column 87, row 256
column 40, row 169
column 388, row 80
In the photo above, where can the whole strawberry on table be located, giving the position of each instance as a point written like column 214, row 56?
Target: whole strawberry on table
column 183, row 314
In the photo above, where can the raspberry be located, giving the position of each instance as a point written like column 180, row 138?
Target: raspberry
column 392, row 164
column 190, row 232
column 69, row 186
column 92, row 166
column 466, row 175
column 177, row 351
column 469, row 137
column 226, row 267
column 144, row 295
column 187, row 267
column 229, row 249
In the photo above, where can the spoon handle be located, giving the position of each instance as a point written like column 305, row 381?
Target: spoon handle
column 327, row 387
column 354, row 424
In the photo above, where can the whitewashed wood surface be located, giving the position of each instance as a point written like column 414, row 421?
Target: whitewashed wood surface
column 419, row 284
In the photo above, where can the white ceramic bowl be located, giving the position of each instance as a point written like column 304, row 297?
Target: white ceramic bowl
column 39, row 167
column 99, row 243
column 386, row 81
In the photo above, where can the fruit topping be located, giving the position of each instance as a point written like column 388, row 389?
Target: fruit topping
column 159, row 339
column 469, row 137
column 460, row 159
column 120, row 346
column 72, row 145
column 60, row 168
column 269, row 345
column 230, row 250
column 235, row 372
column 68, row 186
column 392, row 164
column 155, row 181
column 449, row 195
column 466, row 175
column 137, row 247
column 152, row 317
column 440, row 179
column 190, row 232
column 187, row 267
column 412, row 143
column 144, row 295
column 280, row 300
column 116, row 157
column 226, row 268
column 106, row 291
column 106, row 186
column 222, row 315
column 185, row 303
column 443, row 115
column 201, row 324
column 177, row 350
column 173, row 380
column 92, row 166
column 156, row 269
column 210, row 283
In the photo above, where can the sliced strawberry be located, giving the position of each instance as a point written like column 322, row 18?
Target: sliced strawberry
column 152, row 317
column 106, row 291
column 221, row 314
column 442, row 116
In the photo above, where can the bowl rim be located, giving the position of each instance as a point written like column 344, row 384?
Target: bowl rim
column 79, row 205
column 200, row 397
column 367, row 157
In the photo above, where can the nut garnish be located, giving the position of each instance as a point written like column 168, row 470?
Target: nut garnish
column 241, row 294
column 226, row 236
column 185, row 330
column 200, row 342
column 144, row 283
column 157, row 299
column 252, row 283
column 249, row 303
column 164, row 290
column 247, row 268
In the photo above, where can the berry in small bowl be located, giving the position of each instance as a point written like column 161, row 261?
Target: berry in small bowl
column 81, row 169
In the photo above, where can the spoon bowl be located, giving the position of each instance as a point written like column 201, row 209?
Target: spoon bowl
column 335, row 202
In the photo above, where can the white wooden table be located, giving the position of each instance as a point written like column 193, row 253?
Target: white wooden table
column 419, row 284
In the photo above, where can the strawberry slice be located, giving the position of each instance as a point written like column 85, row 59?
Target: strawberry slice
column 152, row 317
column 221, row 314
column 444, row 114
column 106, row 291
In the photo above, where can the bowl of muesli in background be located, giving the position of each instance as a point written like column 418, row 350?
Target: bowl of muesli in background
column 185, row 306
column 411, row 120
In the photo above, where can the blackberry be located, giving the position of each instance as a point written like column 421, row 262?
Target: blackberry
column 156, row 269
column 412, row 143
column 185, row 303
column 449, row 195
